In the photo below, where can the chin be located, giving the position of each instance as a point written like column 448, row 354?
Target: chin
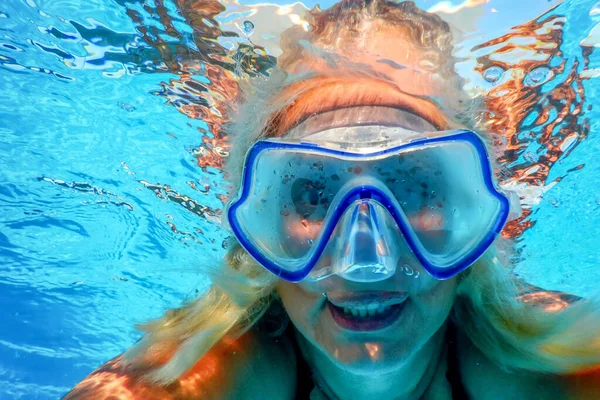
column 371, row 357
column 370, row 352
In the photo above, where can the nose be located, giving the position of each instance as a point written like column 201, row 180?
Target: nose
column 366, row 255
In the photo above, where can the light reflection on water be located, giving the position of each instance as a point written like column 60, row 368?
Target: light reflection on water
column 111, row 122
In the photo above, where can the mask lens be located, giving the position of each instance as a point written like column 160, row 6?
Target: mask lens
column 447, row 203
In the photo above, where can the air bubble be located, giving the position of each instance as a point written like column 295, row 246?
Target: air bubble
column 248, row 27
column 493, row 74
column 537, row 76
column 408, row 270
column 310, row 242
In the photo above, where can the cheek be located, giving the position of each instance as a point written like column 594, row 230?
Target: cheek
column 433, row 302
column 300, row 305
column 428, row 308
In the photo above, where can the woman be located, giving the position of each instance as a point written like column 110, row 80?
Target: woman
column 367, row 218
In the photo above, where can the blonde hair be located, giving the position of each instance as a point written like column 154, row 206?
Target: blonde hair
column 512, row 333
column 518, row 335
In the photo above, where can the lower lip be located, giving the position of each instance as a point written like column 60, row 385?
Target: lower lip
column 368, row 323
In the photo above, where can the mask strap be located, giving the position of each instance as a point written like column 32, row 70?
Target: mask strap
column 514, row 201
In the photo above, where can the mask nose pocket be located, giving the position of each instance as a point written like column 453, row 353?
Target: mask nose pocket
column 363, row 248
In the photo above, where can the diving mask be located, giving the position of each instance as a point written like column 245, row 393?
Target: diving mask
column 352, row 195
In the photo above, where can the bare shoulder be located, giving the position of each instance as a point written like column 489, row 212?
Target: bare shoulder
column 254, row 366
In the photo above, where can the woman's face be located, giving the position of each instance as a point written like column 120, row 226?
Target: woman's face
column 374, row 326
column 363, row 324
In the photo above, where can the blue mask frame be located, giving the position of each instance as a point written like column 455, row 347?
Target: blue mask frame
column 374, row 193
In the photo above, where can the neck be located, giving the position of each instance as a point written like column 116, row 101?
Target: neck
column 409, row 381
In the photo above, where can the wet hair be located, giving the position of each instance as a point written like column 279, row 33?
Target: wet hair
column 429, row 31
column 513, row 334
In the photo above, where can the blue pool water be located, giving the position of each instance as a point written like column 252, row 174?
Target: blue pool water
column 105, row 212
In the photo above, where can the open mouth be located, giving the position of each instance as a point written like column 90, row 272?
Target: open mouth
column 366, row 312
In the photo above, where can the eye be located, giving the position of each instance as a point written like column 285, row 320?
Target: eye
column 306, row 196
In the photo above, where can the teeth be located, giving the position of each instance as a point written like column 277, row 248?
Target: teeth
column 367, row 310
column 372, row 309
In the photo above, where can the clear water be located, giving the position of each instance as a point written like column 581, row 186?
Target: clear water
column 105, row 212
